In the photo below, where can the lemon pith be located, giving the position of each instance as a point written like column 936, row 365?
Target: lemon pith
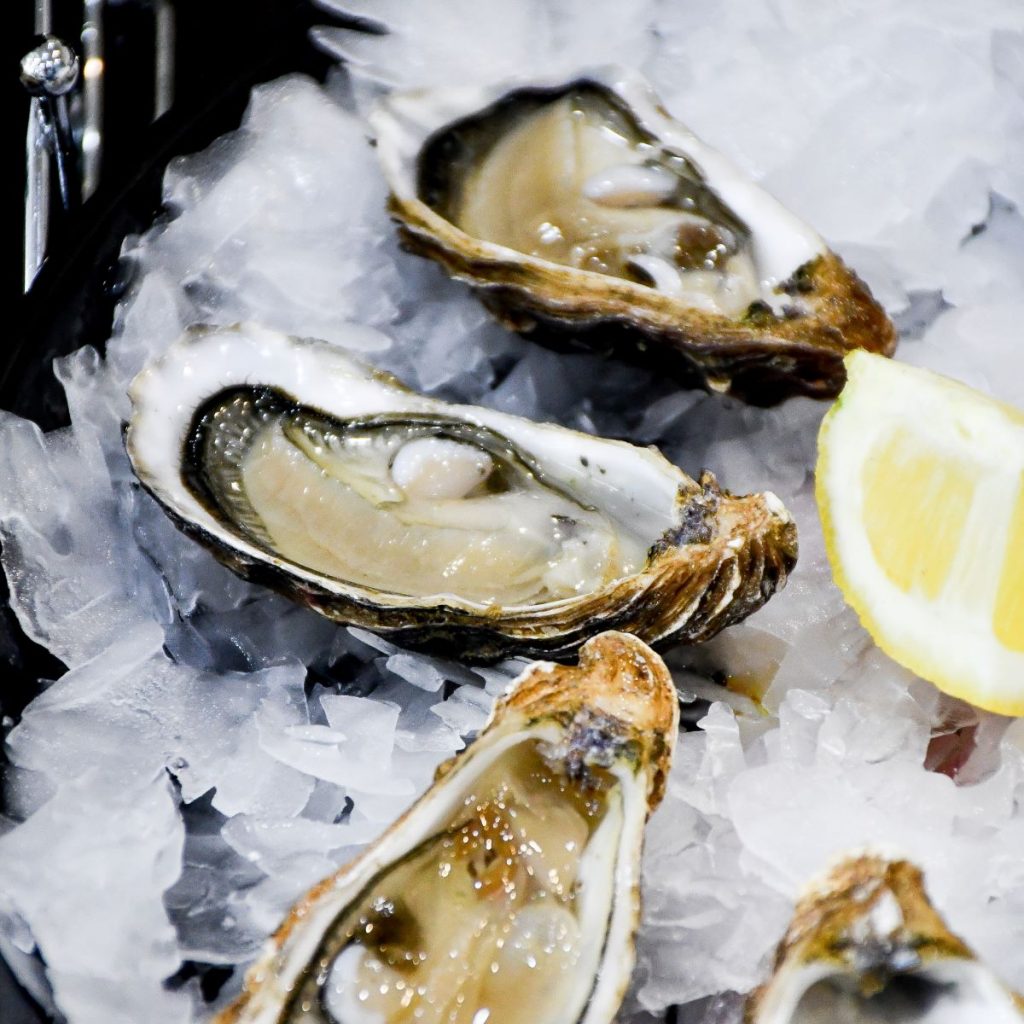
column 920, row 486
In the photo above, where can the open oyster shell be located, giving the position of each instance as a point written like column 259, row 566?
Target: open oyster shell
column 867, row 947
column 509, row 891
column 452, row 527
column 582, row 209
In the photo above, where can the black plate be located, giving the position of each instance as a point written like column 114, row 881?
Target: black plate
column 224, row 48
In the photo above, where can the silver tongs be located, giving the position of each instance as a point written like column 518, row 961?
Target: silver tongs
column 49, row 72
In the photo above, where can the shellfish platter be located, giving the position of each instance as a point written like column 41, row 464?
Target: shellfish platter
column 453, row 630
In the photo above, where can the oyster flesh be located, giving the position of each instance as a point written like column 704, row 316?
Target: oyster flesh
column 509, row 892
column 867, row 947
column 581, row 209
column 453, row 527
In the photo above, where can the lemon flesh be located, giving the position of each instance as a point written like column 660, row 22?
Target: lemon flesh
column 920, row 485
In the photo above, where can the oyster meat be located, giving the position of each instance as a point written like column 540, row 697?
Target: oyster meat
column 448, row 526
column 509, row 892
column 582, row 209
column 867, row 947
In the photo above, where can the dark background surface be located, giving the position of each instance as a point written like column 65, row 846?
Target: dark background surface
column 223, row 48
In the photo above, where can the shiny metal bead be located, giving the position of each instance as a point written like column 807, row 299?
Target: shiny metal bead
column 51, row 69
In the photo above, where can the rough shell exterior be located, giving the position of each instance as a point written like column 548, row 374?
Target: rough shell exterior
column 731, row 556
column 761, row 358
column 827, row 926
column 619, row 680
column 720, row 560
column 618, row 704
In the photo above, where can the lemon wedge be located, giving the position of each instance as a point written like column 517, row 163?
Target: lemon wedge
column 920, row 485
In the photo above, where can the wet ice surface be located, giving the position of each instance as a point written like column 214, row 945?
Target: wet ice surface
column 213, row 750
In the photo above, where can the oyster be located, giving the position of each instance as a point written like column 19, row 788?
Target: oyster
column 867, row 947
column 509, row 891
column 582, row 209
column 449, row 526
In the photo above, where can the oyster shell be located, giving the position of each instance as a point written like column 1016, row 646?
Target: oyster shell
column 866, row 947
column 511, row 886
column 582, row 209
column 453, row 527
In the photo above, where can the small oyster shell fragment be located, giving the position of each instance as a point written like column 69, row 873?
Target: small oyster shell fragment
column 867, row 947
column 452, row 527
column 509, row 892
column 582, row 209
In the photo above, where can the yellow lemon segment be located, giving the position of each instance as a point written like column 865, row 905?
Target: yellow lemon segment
column 920, row 485
column 915, row 508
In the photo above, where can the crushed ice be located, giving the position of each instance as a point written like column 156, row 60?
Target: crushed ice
column 214, row 750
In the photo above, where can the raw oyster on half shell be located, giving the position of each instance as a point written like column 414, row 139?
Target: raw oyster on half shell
column 582, row 209
column 866, row 946
column 509, row 892
column 454, row 527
